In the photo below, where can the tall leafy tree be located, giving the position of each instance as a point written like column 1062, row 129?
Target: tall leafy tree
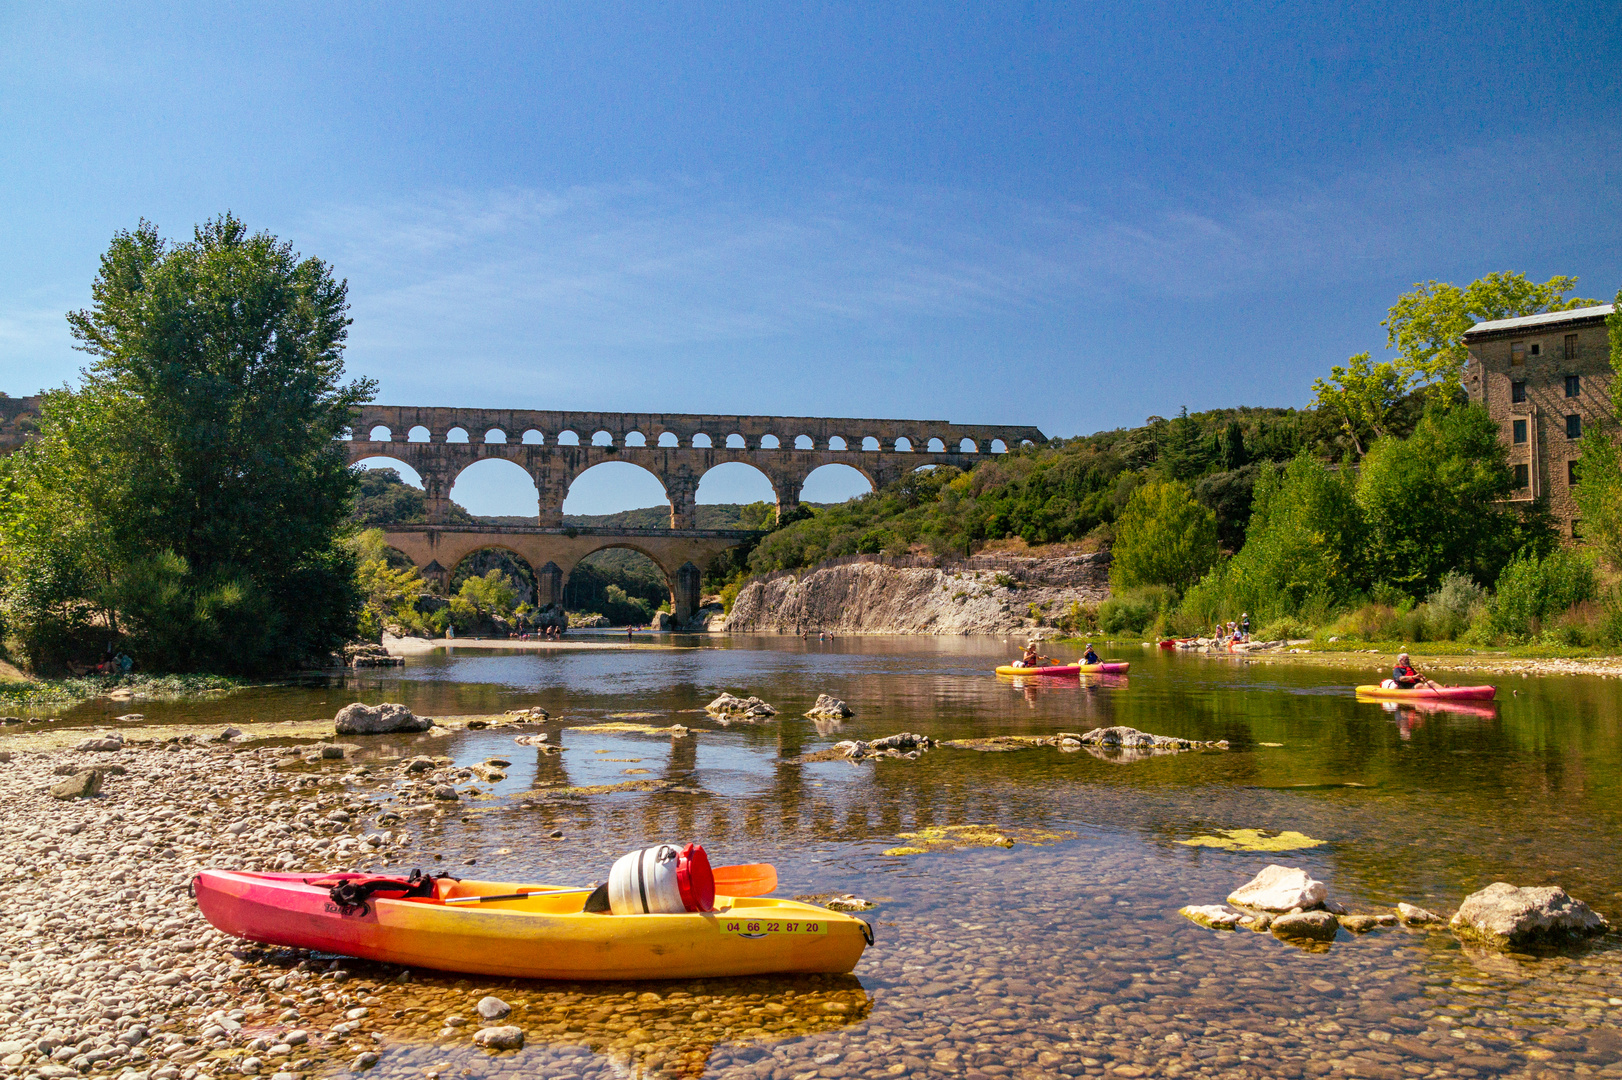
column 201, row 452
column 1163, row 537
column 1599, row 472
column 1433, row 503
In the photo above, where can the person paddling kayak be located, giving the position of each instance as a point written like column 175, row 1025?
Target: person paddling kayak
column 1406, row 677
column 1032, row 658
column 1090, row 657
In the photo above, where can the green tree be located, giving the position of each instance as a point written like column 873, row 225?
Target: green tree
column 1302, row 547
column 1362, row 397
column 191, row 493
column 1432, row 502
column 1599, row 471
column 1164, row 537
column 388, row 593
column 1427, row 324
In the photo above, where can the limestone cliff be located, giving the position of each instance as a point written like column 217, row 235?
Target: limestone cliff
column 981, row 595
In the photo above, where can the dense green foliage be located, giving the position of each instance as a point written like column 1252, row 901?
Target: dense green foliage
column 1599, row 472
column 1163, row 537
column 185, row 503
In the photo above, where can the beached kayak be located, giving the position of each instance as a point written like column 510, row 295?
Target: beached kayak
column 1109, row 667
column 1425, row 693
column 545, row 936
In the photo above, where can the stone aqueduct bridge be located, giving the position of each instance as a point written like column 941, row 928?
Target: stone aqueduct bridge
column 556, row 447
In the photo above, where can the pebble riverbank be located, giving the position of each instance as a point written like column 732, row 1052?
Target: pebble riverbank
column 1081, row 967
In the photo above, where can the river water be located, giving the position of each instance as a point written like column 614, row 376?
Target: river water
column 1061, row 957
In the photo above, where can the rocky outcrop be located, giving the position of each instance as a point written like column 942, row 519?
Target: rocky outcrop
column 983, row 595
column 1280, row 888
column 1308, row 925
column 1506, row 916
column 1126, row 744
column 731, row 707
column 829, row 707
column 359, row 719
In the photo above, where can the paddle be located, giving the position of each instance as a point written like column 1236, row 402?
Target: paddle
column 746, row 879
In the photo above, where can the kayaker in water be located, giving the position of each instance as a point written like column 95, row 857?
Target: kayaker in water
column 1090, row 657
column 1406, row 677
column 1032, row 658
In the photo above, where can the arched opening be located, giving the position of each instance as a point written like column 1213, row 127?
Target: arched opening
column 495, row 589
column 735, row 495
column 495, row 435
column 769, row 442
column 668, row 438
column 870, row 443
column 534, row 438
column 346, row 435
column 496, row 487
column 380, row 434
column 834, row 484
column 735, row 442
column 968, row 446
column 837, row 443
column 568, row 438
column 602, row 438
column 998, row 446
column 621, row 585
column 1025, row 442
column 457, row 434
column 936, row 446
column 702, row 440
column 904, row 445
column 419, row 434
column 635, row 438
column 804, row 442
column 631, row 496
column 390, row 492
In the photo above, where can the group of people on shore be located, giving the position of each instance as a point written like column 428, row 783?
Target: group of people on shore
column 546, row 633
column 1235, row 632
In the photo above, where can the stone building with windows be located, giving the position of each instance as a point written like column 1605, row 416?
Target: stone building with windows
column 1545, row 379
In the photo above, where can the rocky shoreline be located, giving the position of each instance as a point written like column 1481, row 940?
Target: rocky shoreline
column 982, row 595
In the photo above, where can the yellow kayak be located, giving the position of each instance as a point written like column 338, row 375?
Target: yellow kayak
column 541, row 936
column 1108, row 667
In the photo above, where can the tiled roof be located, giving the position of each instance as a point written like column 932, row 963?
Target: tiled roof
column 1548, row 318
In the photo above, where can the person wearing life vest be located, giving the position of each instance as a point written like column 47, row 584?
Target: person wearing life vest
column 1032, row 658
column 1090, row 657
column 1405, row 676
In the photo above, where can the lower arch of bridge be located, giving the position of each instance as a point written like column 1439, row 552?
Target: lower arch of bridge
column 496, row 486
column 406, row 472
column 495, row 556
column 575, row 591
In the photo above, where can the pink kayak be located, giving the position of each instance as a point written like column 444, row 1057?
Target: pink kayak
column 1425, row 693
column 1111, row 667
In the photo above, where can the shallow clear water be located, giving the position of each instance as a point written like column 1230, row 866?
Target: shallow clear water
column 1068, row 958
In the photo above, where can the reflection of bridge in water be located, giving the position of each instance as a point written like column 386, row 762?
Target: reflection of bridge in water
column 555, row 448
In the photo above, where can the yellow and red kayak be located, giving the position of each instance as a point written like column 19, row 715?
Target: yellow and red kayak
column 1425, row 693
column 547, row 935
column 1108, row 667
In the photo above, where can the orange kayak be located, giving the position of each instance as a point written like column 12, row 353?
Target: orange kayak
column 543, row 936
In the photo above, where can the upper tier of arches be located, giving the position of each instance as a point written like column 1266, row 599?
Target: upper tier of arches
column 529, row 427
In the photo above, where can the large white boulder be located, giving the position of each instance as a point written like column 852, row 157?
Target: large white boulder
column 358, row 719
column 1281, row 888
column 1505, row 915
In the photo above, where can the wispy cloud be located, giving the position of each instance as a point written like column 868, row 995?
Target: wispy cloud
column 655, row 267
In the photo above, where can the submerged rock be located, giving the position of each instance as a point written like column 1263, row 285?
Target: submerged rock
column 829, row 707
column 1507, row 915
column 359, row 719
column 1211, row 916
column 1279, row 889
column 1417, row 916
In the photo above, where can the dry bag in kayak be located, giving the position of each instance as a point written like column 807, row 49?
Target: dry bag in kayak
column 662, row 881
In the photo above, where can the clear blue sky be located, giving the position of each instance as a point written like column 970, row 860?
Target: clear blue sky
column 1074, row 216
